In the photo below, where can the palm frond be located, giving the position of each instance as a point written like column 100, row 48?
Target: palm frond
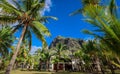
column 79, row 11
column 35, row 8
column 7, row 7
column 41, row 28
column 45, row 18
column 113, row 8
column 39, row 35
column 28, row 37
column 17, row 5
column 15, row 28
column 7, row 19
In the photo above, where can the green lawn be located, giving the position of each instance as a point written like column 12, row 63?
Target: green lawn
column 37, row 72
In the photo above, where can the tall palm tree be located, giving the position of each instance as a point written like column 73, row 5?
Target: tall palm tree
column 23, row 54
column 79, row 54
column 106, row 22
column 6, row 40
column 27, row 14
column 37, row 58
column 59, row 49
column 92, row 49
column 44, row 56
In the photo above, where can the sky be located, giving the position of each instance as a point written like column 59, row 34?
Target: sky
column 66, row 26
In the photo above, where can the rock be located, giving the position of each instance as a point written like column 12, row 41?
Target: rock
column 71, row 43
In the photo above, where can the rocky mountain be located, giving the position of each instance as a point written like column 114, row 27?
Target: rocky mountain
column 71, row 43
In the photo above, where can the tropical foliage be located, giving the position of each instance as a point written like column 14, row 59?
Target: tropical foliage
column 96, row 56
column 28, row 18
column 6, row 40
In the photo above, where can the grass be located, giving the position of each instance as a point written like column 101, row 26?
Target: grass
column 37, row 72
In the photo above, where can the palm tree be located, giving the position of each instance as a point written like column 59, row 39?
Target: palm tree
column 92, row 48
column 107, row 22
column 6, row 40
column 37, row 58
column 44, row 55
column 79, row 54
column 23, row 54
column 59, row 49
column 27, row 14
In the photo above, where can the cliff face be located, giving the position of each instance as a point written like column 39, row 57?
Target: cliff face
column 71, row 43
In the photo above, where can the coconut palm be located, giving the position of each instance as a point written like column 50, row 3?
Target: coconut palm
column 23, row 53
column 79, row 54
column 27, row 15
column 58, row 52
column 92, row 49
column 37, row 58
column 106, row 22
column 44, row 55
column 6, row 40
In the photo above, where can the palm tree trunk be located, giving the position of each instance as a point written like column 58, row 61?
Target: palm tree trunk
column 98, row 64
column 57, row 67
column 47, row 65
column 12, row 61
column 118, row 59
column 40, row 64
column 110, row 66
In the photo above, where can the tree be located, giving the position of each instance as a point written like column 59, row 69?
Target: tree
column 106, row 22
column 23, row 54
column 58, row 52
column 79, row 54
column 6, row 40
column 44, row 55
column 27, row 14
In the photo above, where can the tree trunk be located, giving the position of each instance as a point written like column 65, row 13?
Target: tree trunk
column 98, row 64
column 57, row 67
column 111, row 68
column 12, row 61
column 118, row 59
column 47, row 65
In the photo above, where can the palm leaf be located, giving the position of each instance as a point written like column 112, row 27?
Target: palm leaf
column 7, row 19
column 79, row 11
column 41, row 28
column 9, row 8
column 34, row 8
column 17, row 5
column 39, row 35
column 45, row 18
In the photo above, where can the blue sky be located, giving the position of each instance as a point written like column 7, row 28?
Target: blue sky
column 66, row 26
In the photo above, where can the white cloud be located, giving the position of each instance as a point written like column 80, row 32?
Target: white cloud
column 48, row 4
column 34, row 48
